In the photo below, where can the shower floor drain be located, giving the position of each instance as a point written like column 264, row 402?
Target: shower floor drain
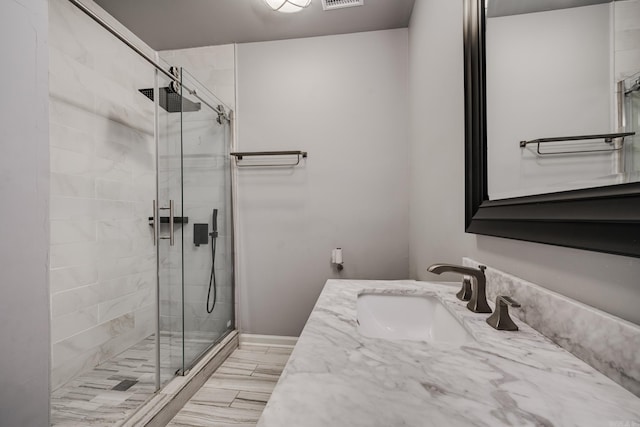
column 124, row 385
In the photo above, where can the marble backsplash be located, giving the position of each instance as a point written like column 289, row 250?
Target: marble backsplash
column 606, row 342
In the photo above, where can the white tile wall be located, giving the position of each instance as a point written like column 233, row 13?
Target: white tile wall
column 102, row 187
column 627, row 64
column 627, row 38
column 213, row 66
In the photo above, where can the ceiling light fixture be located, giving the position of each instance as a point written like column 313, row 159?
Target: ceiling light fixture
column 288, row 6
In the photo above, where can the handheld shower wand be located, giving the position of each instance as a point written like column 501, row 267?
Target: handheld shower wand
column 214, row 227
column 212, row 277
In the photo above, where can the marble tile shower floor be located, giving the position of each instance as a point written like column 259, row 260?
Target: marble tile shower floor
column 113, row 390
column 237, row 392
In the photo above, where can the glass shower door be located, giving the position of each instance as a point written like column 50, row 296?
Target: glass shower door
column 195, row 267
column 207, row 297
column 169, row 244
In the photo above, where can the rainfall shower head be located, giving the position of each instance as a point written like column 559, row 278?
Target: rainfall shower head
column 171, row 101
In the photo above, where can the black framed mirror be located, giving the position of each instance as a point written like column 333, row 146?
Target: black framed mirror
column 603, row 219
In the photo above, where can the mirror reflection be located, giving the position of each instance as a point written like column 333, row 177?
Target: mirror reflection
column 563, row 99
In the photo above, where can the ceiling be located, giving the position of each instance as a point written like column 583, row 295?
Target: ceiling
column 172, row 24
column 496, row 8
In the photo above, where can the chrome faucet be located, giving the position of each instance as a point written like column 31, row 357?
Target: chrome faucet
column 478, row 301
column 501, row 320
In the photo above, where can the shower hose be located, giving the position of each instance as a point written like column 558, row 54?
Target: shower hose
column 212, row 277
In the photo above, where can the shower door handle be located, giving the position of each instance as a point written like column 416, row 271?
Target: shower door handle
column 171, row 239
column 171, row 220
column 155, row 224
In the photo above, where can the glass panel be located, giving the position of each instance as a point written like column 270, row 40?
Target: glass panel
column 632, row 124
column 548, row 75
column 169, row 254
column 208, row 260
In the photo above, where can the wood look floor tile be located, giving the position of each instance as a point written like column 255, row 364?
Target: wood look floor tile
column 267, row 376
column 252, row 395
column 280, row 350
column 214, row 396
column 214, row 416
column 242, row 383
column 274, row 370
column 236, row 394
column 253, row 348
column 248, row 404
column 245, row 356
column 234, row 371
column 239, row 365
column 251, row 400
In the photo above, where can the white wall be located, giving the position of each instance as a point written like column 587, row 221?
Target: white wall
column 533, row 61
column 24, row 189
column 437, row 210
column 344, row 100
column 103, row 180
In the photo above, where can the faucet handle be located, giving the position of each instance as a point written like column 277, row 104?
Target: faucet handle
column 465, row 292
column 500, row 318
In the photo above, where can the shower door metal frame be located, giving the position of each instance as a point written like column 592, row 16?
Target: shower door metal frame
column 156, row 228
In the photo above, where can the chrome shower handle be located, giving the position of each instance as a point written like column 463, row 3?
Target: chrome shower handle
column 171, row 235
column 155, row 224
column 171, row 220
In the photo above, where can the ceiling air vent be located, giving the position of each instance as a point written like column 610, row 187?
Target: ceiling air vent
column 339, row 4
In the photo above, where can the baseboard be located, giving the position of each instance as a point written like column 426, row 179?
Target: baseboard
column 167, row 402
column 268, row 340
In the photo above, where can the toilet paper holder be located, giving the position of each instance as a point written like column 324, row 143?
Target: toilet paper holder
column 336, row 258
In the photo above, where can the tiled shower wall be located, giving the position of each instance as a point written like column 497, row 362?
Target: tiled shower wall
column 627, row 39
column 213, row 66
column 627, row 58
column 102, row 187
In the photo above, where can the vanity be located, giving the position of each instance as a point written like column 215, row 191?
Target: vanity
column 344, row 371
column 568, row 364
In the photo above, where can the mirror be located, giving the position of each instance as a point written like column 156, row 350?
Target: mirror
column 603, row 218
column 562, row 71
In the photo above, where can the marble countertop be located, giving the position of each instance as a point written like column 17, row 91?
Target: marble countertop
column 338, row 377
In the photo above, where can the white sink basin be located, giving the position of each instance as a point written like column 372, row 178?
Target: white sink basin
column 404, row 317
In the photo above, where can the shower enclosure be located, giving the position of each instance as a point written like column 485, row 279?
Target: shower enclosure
column 141, row 215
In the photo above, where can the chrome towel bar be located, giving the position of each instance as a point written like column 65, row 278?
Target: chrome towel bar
column 241, row 155
column 607, row 137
